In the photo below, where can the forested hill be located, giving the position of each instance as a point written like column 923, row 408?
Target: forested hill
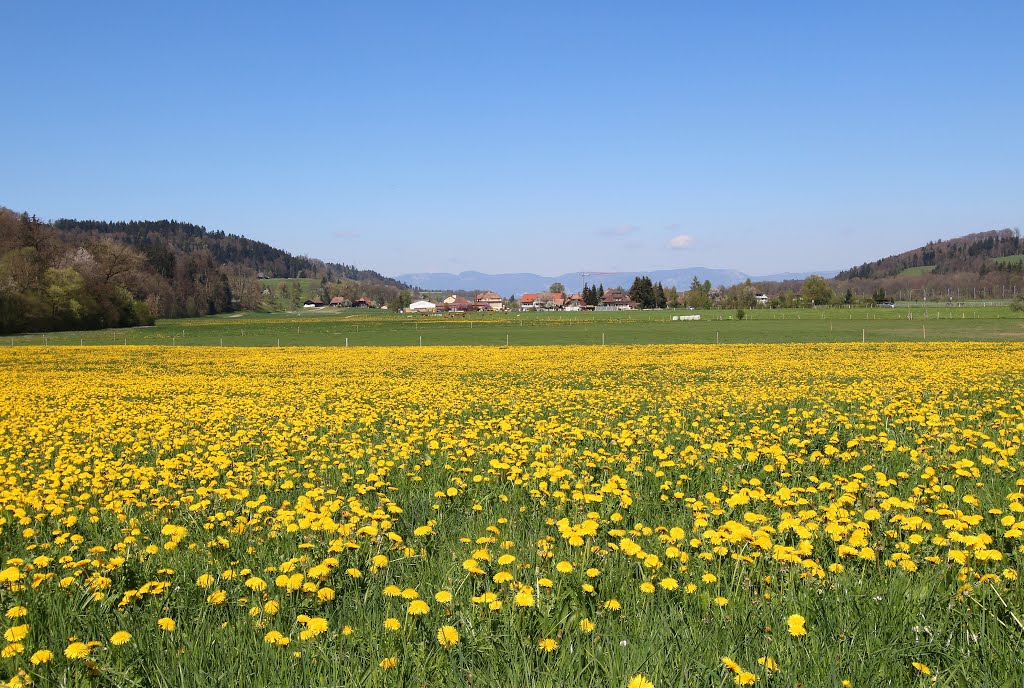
column 969, row 253
column 160, row 240
column 76, row 274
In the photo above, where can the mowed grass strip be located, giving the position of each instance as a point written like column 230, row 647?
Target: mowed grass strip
column 355, row 327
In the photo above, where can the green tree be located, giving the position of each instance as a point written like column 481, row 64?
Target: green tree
column 400, row 300
column 660, row 300
column 557, row 288
column 671, row 297
column 642, row 292
column 64, row 292
column 699, row 294
column 816, row 291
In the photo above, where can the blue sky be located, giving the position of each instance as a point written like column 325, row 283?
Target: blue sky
column 543, row 137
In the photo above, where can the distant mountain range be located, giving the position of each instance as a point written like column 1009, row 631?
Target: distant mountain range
column 518, row 283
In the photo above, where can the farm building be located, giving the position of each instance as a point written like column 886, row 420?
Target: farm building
column 420, row 307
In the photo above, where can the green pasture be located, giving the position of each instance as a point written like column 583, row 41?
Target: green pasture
column 1011, row 260
column 919, row 270
column 357, row 327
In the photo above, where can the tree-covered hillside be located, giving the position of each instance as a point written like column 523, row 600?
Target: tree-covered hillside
column 161, row 239
column 969, row 253
column 84, row 274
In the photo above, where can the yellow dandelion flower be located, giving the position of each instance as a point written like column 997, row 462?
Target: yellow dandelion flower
column 314, row 627
column 77, row 650
column 166, row 623
column 256, row 584
column 205, row 580
column 16, row 612
column 732, row 665
column 796, row 625
column 418, row 608
column 647, row 587
column 768, row 663
column 12, row 650
column 640, row 681
column 447, row 636
column 16, row 633
column 923, row 668
column 502, row 577
column 389, row 663
column 524, row 598
column 392, row 624
column 586, row 625
column 443, row 596
column 120, row 638
column 548, row 644
column 41, row 657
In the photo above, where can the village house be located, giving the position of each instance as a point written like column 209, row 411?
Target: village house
column 616, row 300
column 575, row 303
column 550, row 301
column 527, row 301
column 455, row 303
column 313, row 303
column 489, row 300
column 544, row 301
column 364, row 302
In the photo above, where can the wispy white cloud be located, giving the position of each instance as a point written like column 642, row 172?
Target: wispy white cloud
column 621, row 231
column 681, row 241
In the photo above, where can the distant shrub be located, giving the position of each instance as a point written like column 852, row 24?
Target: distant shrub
column 1017, row 305
column 740, row 314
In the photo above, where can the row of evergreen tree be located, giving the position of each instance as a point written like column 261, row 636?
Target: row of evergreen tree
column 647, row 293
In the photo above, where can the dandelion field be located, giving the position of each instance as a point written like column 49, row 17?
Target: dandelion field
column 695, row 515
